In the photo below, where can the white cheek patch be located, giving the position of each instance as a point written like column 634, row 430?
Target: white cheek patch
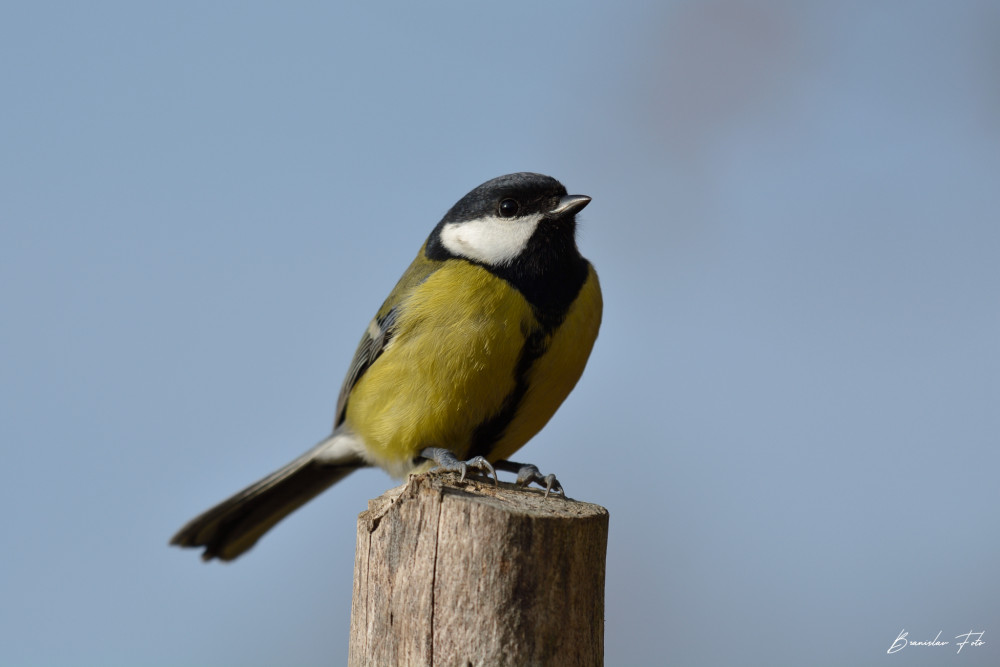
column 491, row 240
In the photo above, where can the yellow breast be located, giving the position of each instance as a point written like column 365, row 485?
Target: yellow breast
column 453, row 361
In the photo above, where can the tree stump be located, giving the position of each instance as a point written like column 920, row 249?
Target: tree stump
column 450, row 573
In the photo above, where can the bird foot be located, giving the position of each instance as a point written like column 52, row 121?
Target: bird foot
column 528, row 473
column 447, row 462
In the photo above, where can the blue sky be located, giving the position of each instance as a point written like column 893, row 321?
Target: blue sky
column 791, row 411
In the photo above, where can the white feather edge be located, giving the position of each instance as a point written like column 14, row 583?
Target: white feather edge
column 347, row 447
column 341, row 447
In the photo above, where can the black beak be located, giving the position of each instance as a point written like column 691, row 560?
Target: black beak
column 569, row 205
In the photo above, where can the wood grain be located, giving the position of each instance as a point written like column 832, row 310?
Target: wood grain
column 450, row 573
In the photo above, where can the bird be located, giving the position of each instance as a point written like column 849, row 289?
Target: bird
column 475, row 348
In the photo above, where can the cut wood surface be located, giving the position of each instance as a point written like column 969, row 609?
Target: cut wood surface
column 465, row 573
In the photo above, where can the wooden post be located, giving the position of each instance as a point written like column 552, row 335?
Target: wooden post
column 450, row 573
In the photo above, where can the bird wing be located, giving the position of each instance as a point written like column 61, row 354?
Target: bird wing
column 381, row 330
column 373, row 343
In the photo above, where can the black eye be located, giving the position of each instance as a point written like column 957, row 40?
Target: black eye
column 508, row 208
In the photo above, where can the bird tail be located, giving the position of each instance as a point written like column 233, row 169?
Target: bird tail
column 235, row 524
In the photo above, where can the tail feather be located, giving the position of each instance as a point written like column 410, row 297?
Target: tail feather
column 234, row 525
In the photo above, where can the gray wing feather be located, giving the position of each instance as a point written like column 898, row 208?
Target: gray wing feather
column 372, row 345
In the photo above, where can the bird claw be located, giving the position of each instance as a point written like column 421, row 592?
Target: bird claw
column 528, row 473
column 447, row 462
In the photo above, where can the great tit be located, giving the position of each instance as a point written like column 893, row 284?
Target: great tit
column 476, row 347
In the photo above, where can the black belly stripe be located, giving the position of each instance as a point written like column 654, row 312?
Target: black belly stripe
column 549, row 318
column 549, row 274
column 492, row 429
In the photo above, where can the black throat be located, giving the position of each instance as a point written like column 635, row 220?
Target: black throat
column 549, row 273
